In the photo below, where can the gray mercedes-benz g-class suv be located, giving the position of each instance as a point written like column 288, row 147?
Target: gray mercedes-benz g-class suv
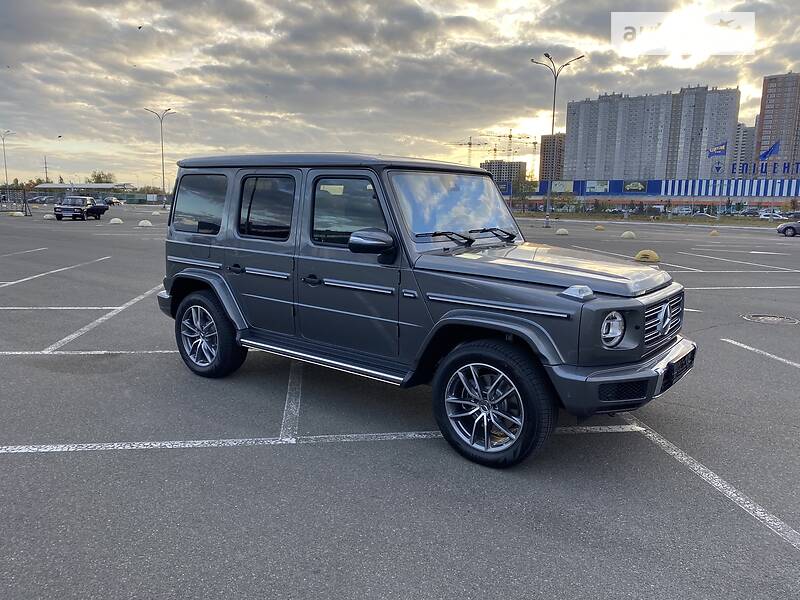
column 412, row 272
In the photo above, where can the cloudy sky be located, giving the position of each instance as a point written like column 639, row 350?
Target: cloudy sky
column 399, row 76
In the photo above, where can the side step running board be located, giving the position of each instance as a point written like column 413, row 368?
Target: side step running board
column 325, row 362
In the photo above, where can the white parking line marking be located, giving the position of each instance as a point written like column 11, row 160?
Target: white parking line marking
column 726, row 489
column 276, row 441
column 24, row 279
column 81, row 352
column 741, row 262
column 741, row 251
column 22, row 252
column 785, row 361
column 291, row 411
column 99, row 321
column 631, row 257
column 58, row 307
column 747, row 287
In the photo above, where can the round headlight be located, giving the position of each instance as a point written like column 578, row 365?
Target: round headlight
column 613, row 329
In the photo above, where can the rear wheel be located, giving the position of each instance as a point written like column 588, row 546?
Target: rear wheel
column 790, row 232
column 493, row 403
column 206, row 337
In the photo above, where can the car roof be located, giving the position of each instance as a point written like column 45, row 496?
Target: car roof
column 323, row 159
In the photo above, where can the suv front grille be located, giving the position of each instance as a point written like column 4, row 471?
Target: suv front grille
column 654, row 334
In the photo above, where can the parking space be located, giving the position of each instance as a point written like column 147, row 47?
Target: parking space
column 126, row 476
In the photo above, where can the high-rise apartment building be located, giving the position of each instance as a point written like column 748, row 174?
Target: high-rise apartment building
column 652, row 136
column 551, row 157
column 777, row 135
column 744, row 148
column 505, row 170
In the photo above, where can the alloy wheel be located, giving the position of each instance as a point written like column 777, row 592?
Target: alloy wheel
column 199, row 335
column 484, row 407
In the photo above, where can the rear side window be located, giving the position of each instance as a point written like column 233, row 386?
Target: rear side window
column 266, row 209
column 342, row 206
column 199, row 203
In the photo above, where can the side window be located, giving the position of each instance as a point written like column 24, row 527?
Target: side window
column 266, row 209
column 199, row 203
column 342, row 206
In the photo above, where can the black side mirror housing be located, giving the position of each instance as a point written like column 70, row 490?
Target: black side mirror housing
column 372, row 241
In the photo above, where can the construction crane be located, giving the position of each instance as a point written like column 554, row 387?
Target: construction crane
column 469, row 143
column 512, row 140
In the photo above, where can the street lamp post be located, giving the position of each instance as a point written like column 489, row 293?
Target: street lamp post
column 556, row 71
column 160, row 116
column 3, row 135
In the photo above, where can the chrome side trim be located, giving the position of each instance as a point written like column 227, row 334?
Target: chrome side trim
column 195, row 262
column 410, row 294
column 325, row 362
column 361, row 287
column 495, row 305
column 265, row 273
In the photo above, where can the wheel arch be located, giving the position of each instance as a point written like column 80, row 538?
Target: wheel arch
column 456, row 329
column 192, row 280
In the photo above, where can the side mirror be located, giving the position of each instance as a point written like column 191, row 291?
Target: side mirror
column 371, row 241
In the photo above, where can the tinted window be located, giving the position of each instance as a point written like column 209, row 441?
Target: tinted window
column 199, row 203
column 267, row 207
column 342, row 206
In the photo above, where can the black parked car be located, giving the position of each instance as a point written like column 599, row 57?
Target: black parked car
column 411, row 272
column 79, row 207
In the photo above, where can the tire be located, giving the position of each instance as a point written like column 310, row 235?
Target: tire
column 790, row 232
column 97, row 217
column 59, row 217
column 83, row 216
column 529, row 398
column 227, row 357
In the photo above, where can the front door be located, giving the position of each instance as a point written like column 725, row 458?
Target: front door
column 259, row 264
column 345, row 299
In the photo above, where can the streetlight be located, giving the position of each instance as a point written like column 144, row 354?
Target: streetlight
column 160, row 116
column 556, row 71
column 3, row 135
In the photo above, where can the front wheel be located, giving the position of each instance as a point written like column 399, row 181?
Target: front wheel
column 493, row 403
column 59, row 217
column 790, row 232
column 206, row 337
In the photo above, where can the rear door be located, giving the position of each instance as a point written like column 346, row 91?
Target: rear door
column 259, row 256
column 346, row 300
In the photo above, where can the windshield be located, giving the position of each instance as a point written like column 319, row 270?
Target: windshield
column 450, row 202
column 73, row 201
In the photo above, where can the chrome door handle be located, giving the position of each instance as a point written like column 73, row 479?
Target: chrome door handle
column 236, row 269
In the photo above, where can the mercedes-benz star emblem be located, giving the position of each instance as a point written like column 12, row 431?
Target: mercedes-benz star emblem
column 664, row 320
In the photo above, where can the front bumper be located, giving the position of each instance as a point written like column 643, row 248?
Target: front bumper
column 588, row 390
column 165, row 302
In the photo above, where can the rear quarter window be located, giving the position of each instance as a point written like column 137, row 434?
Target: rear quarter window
column 199, row 204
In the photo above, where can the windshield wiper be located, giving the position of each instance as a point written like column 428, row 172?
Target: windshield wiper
column 501, row 233
column 456, row 237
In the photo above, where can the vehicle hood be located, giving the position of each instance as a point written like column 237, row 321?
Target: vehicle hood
column 548, row 265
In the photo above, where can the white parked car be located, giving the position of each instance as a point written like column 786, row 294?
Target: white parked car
column 775, row 217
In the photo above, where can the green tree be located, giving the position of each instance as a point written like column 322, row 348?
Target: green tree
column 101, row 177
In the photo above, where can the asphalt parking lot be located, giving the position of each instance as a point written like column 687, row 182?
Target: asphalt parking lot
column 124, row 476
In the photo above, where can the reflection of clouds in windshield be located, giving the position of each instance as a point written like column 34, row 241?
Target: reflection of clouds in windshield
column 450, row 202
